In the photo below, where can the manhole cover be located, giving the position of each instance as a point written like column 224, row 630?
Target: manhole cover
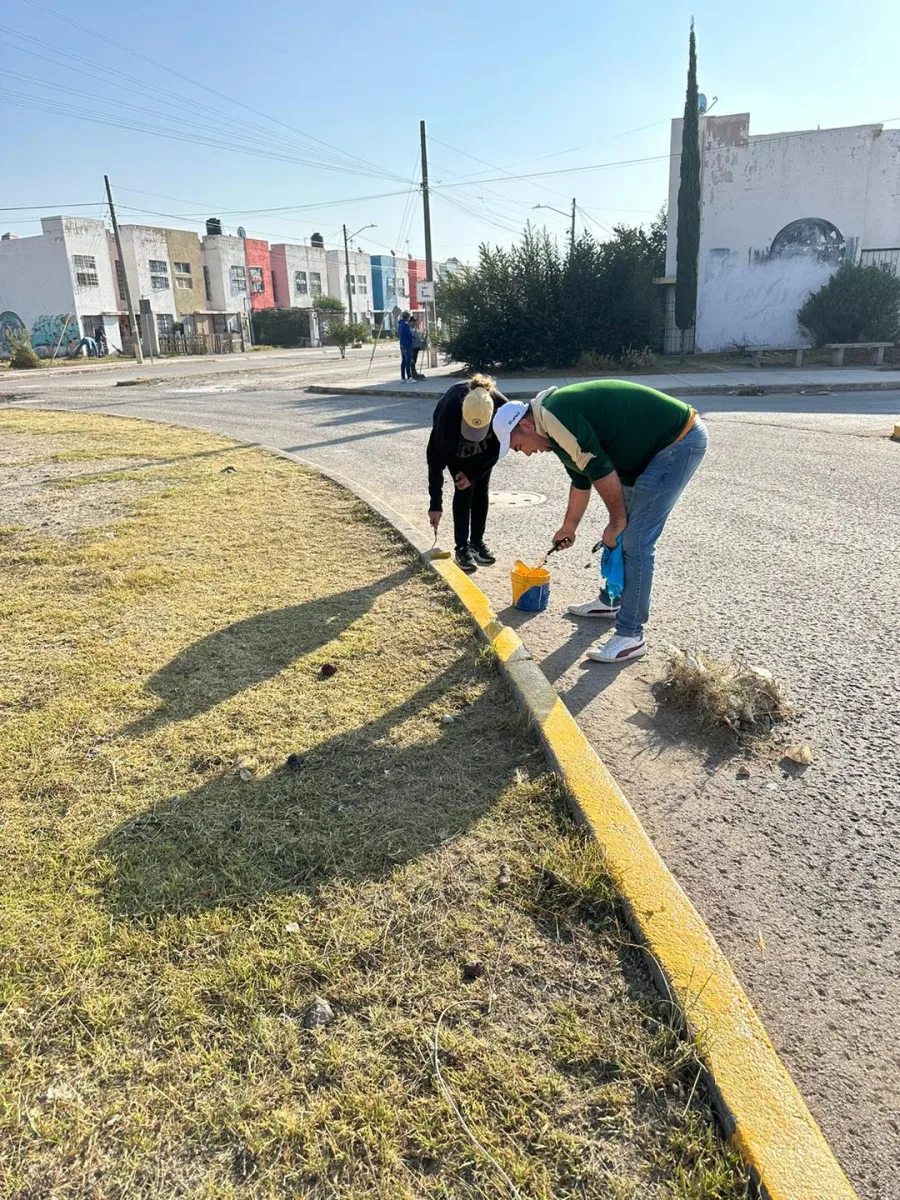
column 517, row 499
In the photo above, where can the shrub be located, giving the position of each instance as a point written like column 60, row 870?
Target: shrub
column 342, row 334
column 21, row 352
column 857, row 304
column 536, row 305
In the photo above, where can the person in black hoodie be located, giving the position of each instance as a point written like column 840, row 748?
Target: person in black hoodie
column 463, row 442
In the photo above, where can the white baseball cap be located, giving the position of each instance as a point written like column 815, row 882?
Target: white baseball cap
column 506, row 418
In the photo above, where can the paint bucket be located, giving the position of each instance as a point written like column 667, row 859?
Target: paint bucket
column 530, row 587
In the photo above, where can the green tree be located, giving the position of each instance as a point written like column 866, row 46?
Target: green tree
column 857, row 304
column 688, row 244
column 342, row 334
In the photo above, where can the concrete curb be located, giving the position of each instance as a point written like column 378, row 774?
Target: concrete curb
column 762, row 389
column 763, row 1113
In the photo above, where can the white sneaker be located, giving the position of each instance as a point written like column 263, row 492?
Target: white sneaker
column 619, row 649
column 594, row 608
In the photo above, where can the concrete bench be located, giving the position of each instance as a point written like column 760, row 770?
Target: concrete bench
column 837, row 351
column 755, row 353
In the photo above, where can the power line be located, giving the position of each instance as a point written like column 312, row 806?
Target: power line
column 628, row 162
column 195, row 83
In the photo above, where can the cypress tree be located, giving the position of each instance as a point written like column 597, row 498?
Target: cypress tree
column 688, row 246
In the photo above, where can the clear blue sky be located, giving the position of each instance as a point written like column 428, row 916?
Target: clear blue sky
column 510, row 82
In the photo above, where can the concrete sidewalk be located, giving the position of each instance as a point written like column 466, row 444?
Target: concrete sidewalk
column 679, row 383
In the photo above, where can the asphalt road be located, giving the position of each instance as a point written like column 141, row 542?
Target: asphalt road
column 786, row 549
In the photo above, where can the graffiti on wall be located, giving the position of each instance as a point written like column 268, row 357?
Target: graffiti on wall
column 10, row 322
column 48, row 332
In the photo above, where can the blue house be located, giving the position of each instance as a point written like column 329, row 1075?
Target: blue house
column 390, row 287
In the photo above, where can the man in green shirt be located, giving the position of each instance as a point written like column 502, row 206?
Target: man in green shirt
column 638, row 448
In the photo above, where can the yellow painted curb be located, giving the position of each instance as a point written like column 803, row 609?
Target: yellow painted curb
column 764, row 1114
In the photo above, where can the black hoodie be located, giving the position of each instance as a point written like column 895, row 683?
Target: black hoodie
column 447, row 448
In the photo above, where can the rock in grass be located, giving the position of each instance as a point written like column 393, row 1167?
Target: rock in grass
column 293, row 762
column 504, row 876
column 327, row 670
column 318, row 1015
column 472, row 971
column 799, row 753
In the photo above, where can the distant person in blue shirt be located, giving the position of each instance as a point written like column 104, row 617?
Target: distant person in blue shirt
column 405, row 334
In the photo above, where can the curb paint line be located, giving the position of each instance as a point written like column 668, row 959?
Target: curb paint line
column 763, row 1113
column 698, row 389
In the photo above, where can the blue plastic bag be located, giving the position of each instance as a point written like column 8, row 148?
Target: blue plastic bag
column 612, row 568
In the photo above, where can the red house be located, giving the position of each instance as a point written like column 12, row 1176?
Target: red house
column 259, row 273
column 416, row 275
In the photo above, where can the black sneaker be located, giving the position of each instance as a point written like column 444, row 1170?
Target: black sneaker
column 482, row 555
column 465, row 559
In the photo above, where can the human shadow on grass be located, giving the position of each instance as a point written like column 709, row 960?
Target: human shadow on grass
column 240, row 656
column 354, row 806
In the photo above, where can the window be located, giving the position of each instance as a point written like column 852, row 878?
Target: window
column 85, row 270
column 238, row 277
column 120, row 280
column 183, row 277
column 401, row 286
column 352, row 285
column 165, row 324
column 207, row 283
column 361, row 285
column 315, row 283
column 300, row 285
column 159, row 274
column 257, row 281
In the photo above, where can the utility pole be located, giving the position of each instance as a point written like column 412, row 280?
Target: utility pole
column 347, row 267
column 135, row 333
column 429, row 262
column 573, row 225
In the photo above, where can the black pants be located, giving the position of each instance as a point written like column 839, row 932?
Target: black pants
column 470, row 510
column 414, row 360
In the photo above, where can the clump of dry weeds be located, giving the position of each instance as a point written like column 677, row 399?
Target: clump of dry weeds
column 730, row 692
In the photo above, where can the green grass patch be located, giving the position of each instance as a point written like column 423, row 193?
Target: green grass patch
column 204, row 834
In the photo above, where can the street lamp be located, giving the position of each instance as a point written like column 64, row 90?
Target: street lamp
column 562, row 214
column 347, row 263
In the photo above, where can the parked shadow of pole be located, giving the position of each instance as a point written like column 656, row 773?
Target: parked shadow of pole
column 242, row 655
column 355, row 806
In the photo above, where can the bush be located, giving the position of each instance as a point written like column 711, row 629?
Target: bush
column 286, row 327
column 857, row 304
column 342, row 334
column 538, row 306
column 22, row 355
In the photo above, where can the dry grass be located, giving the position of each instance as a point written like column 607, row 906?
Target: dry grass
column 176, row 893
column 729, row 692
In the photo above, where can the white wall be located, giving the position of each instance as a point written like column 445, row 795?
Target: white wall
column 752, row 187
column 140, row 244
column 360, row 264
column 298, row 258
column 221, row 252
column 38, row 283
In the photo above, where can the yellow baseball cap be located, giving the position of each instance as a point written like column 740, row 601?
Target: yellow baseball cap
column 477, row 413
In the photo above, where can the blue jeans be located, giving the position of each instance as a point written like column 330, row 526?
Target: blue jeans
column 406, row 362
column 648, row 505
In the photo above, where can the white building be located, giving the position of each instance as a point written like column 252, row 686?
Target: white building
column 359, row 302
column 225, row 275
column 59, row 286
column 779, row 213
column 145, row 252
